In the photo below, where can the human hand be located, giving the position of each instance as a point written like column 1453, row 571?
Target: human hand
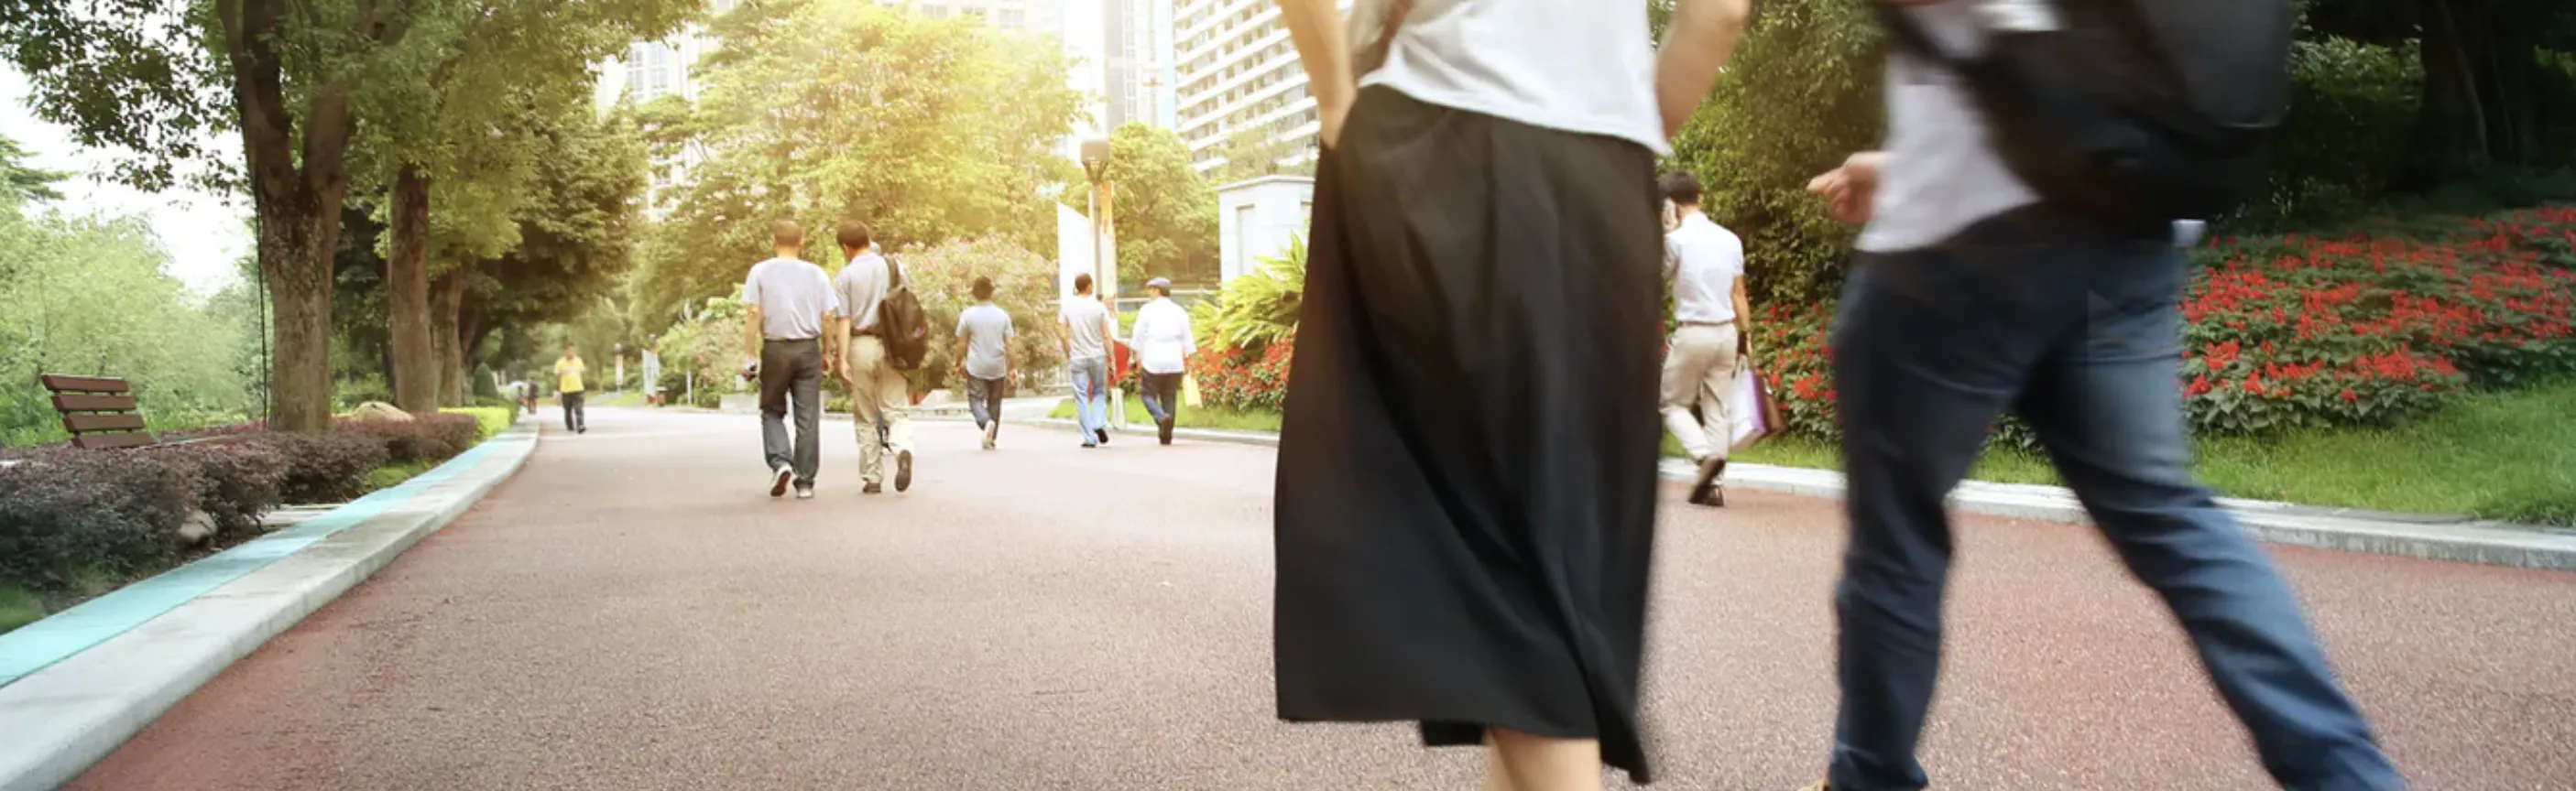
column 1850, row 189
column 1330, row 111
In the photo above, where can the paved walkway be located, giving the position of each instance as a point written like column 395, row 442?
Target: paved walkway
column 631, row 612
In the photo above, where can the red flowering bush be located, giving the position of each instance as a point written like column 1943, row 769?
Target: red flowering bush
column 1793, row 350
column 1236, row 379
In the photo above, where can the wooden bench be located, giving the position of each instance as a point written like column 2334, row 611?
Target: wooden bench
column 99, row 411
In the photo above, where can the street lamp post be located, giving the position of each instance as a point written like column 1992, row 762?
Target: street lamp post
column 1095, row 164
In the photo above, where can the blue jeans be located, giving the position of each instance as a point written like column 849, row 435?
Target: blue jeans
column 2075, row 329
column 1091, row 396
column 984, row 399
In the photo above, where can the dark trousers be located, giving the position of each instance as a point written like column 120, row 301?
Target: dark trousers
column 1162, row 395
column 2075, row 329
column 984, row 399
column 574, row 417
column 791, row 374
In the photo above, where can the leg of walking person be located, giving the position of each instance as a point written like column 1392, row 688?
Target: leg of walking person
column 776, row 375
column 1929, row 350
column 1088, row 399
column 2107, row 410
column 1686, row 366
column 805, row 394
column 1517, row 761
column 567, row 400
column 581, row 413
column 894, row 401
column 866, row 412
column 1149, row 388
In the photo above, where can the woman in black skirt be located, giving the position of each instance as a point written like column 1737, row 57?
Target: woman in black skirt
column 1467, row 475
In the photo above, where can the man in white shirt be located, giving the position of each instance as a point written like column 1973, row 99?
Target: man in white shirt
column 1973, row 294
column 879, row 393
column 788, row 298
column 1705, row 263
column 984, row 358
column 1087, row 330
column 1163, row 346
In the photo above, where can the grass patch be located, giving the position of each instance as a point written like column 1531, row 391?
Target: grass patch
column 19, row 608
column 392, row 475
column 1202, row 417
column 628, row 398
column 488, row 420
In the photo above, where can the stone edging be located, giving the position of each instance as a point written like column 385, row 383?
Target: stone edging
column 2457, row 539
column 69, row 714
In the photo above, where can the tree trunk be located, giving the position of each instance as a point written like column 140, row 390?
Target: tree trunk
column 416, row 380
column 471, row 335
column 296, row 235
column 447, row 295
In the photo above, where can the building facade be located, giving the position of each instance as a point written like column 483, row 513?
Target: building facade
column 1239, row 74
column 1258, row 218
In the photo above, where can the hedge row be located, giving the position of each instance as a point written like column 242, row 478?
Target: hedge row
column 68, row 514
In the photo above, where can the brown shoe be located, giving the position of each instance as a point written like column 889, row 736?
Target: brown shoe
column 1819, row 785
column 1705, row 489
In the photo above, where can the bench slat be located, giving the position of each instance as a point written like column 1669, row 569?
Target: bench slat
column 62, row 383
column 83, row 424
column 94, row 403
column 111, row 441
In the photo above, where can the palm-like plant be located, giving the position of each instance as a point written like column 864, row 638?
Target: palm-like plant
column 1259, row 308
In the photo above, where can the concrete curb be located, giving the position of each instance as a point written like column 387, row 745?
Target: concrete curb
column 2429, row 537
column 68, row 715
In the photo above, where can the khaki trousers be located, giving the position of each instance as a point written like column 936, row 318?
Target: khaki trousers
column 1697, row 372
column 877, row 391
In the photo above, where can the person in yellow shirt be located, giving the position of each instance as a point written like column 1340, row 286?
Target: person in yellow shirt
column 568, row 384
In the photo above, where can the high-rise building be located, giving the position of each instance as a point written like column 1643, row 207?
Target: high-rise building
column 1239, row 74
column 1035, row 16
column 1140, row 76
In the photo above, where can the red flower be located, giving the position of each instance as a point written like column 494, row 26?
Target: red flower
column 2349, row 396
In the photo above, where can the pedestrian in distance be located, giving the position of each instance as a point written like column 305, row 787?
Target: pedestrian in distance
column 1991, row 278
column 1710, row 342
column 1088, row 327
column 789, row 300
column 652, row 372
column 880, row 397
column 984, row 359
column 1163, row 344
column 568, row 388
column 1465, row 507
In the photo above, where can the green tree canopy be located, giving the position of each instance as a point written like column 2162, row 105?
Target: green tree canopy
column 18, row 180
column 1163, row 213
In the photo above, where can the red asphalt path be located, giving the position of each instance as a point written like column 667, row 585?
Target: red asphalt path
column 632, row 612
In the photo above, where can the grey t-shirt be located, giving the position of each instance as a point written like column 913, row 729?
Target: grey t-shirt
column 861, row 287
column 987, row 330
column 793, row 296
column 1086, row 328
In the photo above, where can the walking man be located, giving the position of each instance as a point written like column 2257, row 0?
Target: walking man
column 984, row 359
column 878, row 392
column 1972, row 294
column 652, row 373
column 1705, row 263
column 1163, row 346
column 1087, row 330
column 568, row 387
column 789, row 299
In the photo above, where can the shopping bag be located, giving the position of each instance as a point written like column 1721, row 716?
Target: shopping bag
column 1190, row 392
column 1750, row 409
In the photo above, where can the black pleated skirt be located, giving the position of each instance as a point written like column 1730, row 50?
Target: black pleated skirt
column 1467, row 472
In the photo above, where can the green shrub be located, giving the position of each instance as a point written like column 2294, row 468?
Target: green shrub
column 237, row 482
column 431, row 437
column 329, row 466
column 70, row 512
column 1257, row 309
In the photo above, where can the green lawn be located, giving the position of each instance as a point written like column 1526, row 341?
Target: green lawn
column 1203, row 417
column 19, row 608
column 2508, row 456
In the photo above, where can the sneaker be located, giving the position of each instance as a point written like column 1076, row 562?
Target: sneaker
column 992, row 431
column 1819, row 785
column 902, row 470
column 805, row 491
column 1705, row 489
column 1102, row 433
column 1163, row 430
column 779, row 478
column 871, row 489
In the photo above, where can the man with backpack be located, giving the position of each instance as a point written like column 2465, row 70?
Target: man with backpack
column 884, row 332
column 2019, row 255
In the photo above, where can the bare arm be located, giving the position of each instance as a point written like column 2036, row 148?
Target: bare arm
column 751, row 333
column 1849, row 190
column 1702, row 36
column 1743, row 318
column 1316, row 27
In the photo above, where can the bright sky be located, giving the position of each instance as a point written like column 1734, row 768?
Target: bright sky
column 205, row 233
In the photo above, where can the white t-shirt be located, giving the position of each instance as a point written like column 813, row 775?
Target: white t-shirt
column 1703, row 259
column 1086, row 328
column 1583, row 66
column 1941, row 174
column 1162, row 337
column 793, row 296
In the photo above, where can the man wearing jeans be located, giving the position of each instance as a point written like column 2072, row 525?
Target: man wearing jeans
column 1971, row 296
column 1087, row 330
column 1163, row 347
column 1705, row 262
column 788, row 298
column 984, row 358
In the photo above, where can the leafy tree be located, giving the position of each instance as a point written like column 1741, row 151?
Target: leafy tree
column 153, row 76
column 824, row 109
column 1163, row 213
column 21, row 181
column 1024, row 286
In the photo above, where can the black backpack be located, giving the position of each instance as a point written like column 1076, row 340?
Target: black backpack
column 901, row 324
column 2139, row 112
